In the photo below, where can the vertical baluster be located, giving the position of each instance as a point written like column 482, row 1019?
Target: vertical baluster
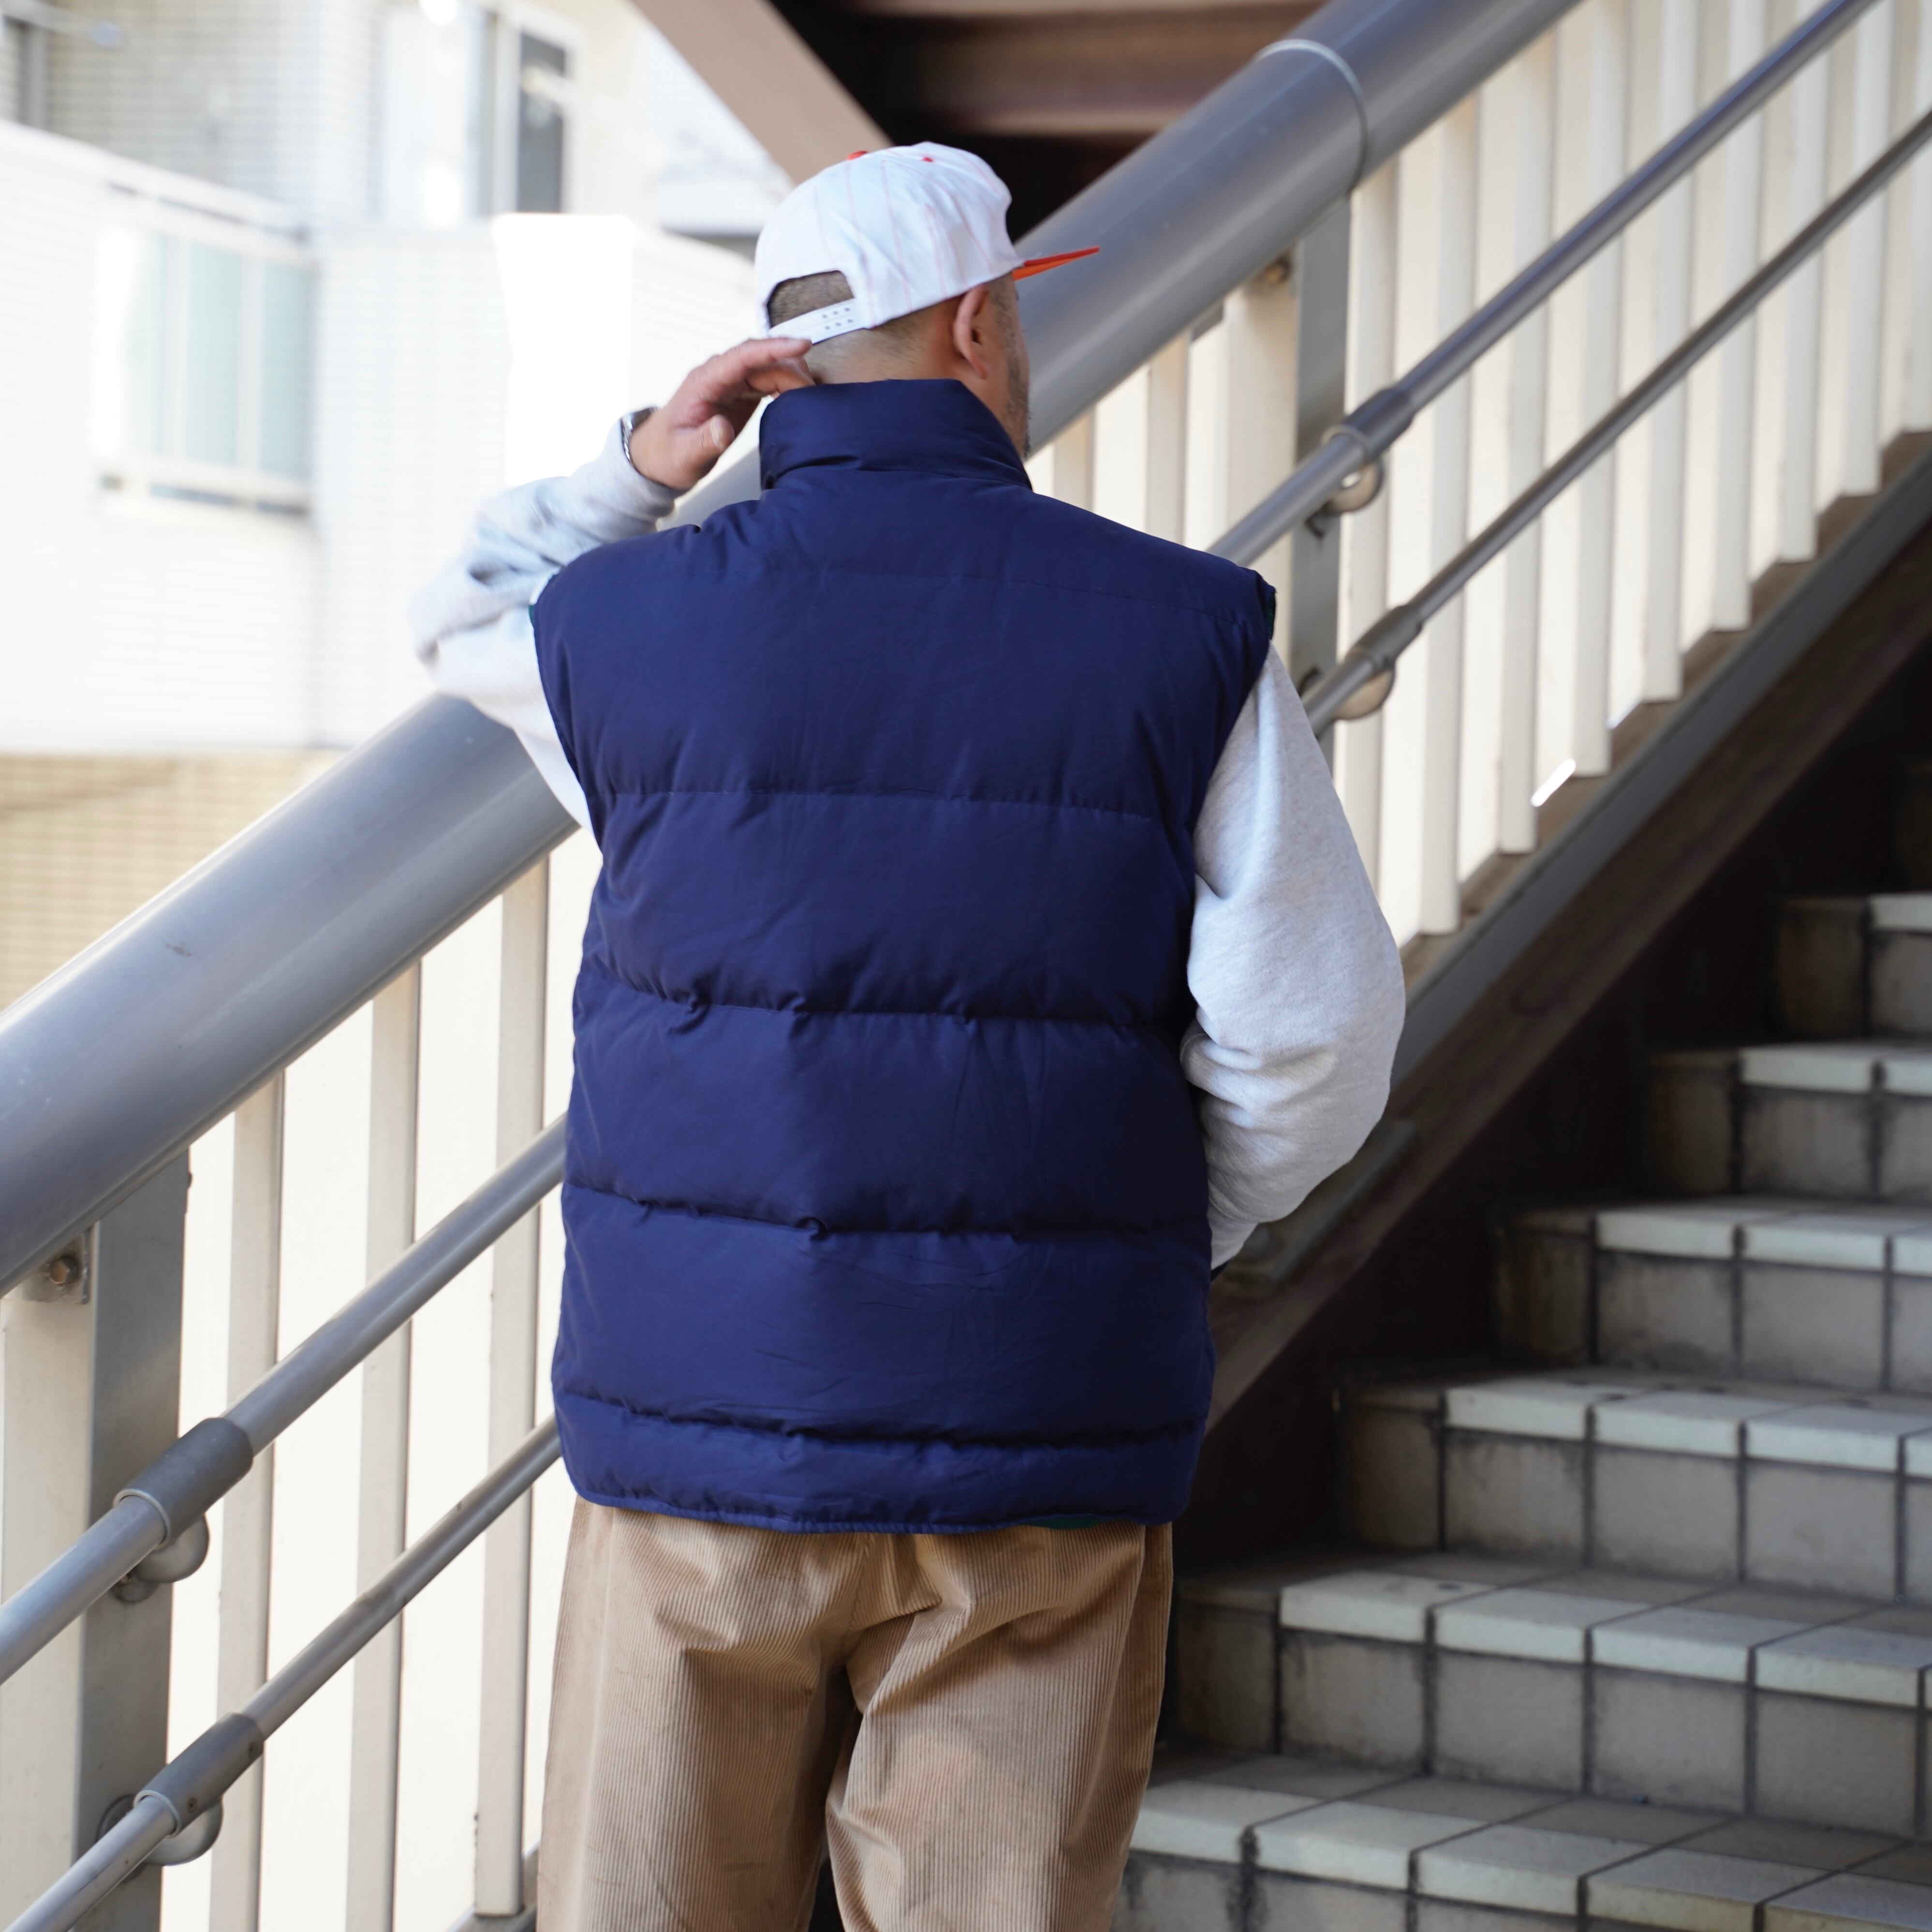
column 1737, row 359
column 1167, row 442
column 1529, row 383
column 394, row 1063
column 1119, row 420
column 1803, row 308
column 513, row 1367
column 1663, row 616
column 1320, row 280
column 1442, row 646
column 1603, row 339
column 1918, row 365
column 247, row 1515
column 1065, row 468
column 1358, row 747
column 1864, row 250
column 91, row 1393
column 1258, row 403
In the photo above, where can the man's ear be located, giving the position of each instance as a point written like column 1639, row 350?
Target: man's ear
column 969, row 329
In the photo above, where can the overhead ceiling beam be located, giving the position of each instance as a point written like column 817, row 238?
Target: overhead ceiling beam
column 760, row 68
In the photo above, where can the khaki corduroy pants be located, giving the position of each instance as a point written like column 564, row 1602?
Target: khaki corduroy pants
column 968, row 1722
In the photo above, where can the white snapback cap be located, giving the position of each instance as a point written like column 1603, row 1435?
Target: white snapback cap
column 907, row 227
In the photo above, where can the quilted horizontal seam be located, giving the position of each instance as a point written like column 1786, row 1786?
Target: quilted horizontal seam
column 1233, row 621
column 1098, row 1231
column 688, row 1003
column 848, row 791
column 1165, row 1431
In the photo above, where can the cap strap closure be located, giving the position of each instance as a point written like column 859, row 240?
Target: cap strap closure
column 819, row 325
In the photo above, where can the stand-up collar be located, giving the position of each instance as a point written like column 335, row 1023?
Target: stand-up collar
column 940, row 427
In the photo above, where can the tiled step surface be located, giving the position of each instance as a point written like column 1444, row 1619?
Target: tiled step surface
column 1743, row 1482
column 1837, row 1293
column 1775, row 1704
column 1271, row 1844
column 1849, row 1119
column 1851, row 966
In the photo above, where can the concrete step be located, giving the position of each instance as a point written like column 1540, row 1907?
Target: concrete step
column 1269, row 1844
column 1765, row 1703
column 1739, row 1482
column 1838, row 1294
column 1848, row 1119
column 1854, row 966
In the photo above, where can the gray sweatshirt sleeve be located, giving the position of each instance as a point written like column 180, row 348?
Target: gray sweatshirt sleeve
column 472, row 623
column 1296, row 982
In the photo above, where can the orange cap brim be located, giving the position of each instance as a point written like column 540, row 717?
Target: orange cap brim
column 1040, row 264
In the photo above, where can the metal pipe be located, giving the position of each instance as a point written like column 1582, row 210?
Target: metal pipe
column 155, row 1032
column 1369, row 430
column 112, row 1858
column 193, row 1783
column 1385, row 641
column 185, row 1481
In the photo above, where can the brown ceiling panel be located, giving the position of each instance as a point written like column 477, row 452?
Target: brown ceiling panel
column 1052, row 95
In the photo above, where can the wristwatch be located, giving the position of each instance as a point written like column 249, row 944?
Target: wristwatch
column 626, row 424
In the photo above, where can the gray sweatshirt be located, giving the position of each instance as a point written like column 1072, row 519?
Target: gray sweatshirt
column 1297, row 987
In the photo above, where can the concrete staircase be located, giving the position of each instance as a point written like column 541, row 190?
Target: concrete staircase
column 1633, row 1624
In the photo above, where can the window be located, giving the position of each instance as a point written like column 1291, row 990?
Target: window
column 542, row 82
column 203, row 387
column 477, row 106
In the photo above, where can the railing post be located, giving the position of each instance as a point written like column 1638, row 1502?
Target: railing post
column 1865, row 251
column 1534, row 193
column 247, row 1515
column 1737, row 359
column 1603, row 346
column 1121, row 452
column 513, row 1369
column 1320, row 280
column 1677, row 38
column 376, row 1725
column 91, row 1393
column 1257, row 403
column 1441, row 648
column 1803, row 309
column 1166, row 509
column 1358, row 746
column 1065, row 468
column 1918, row 353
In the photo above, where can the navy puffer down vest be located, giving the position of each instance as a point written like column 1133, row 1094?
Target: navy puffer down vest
column 885, row 1196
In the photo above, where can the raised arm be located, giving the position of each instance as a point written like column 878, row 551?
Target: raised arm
column 472, row 623
column 1297, row 982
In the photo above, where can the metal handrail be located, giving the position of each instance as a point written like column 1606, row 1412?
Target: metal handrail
column 1368, row 670
column 156, row 1032
column 1366, row 434
column 184, row 1797
column 110, row 1068
column 182, row 1483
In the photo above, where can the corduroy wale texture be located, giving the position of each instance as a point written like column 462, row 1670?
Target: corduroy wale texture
column 885, row 1196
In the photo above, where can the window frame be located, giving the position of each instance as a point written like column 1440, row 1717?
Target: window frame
column 510, row 23
column 245, row 483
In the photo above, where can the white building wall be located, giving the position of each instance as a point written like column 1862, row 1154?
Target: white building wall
column 274, row 97
column 456, row 362
column 128, row 624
